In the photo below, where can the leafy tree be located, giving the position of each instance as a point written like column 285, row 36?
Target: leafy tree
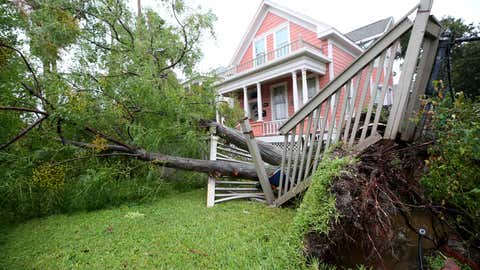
column 84, row 80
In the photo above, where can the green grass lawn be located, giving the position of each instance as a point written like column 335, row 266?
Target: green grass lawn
column 176, row 232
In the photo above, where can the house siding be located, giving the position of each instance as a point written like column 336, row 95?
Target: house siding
column 270, row 21
column 297, row 32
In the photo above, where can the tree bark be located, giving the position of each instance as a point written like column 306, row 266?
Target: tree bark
column 213, row 167
column 269, row 153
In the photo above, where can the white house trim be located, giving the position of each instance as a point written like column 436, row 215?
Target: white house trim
column 259, row 102
column 305, row 53
column 343, row 48
column 348, row 45
column 271, row 98
column 271, row 71
column 331, row 69
column 245, row 102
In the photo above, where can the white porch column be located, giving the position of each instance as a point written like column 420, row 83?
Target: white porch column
column 245, row 102
column 259, row 102
column 217, row 113
column 304, row 86
column 295, row 91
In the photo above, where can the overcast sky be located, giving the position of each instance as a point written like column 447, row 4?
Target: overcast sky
column 234, row 16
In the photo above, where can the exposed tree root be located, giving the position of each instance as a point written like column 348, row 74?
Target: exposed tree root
column 382, row 206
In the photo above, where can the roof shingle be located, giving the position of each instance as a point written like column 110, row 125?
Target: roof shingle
column 369, row 30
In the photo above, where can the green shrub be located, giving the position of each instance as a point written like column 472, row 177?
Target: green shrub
column 437, row 262
column 454, row 162
column 40, row 186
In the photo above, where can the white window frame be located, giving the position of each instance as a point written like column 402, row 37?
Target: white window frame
column 285, row 86
column 275, row 30
column 264, row 38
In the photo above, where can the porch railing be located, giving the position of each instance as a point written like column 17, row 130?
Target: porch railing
column 270, row 56
column 272, row 127
column 328, row 109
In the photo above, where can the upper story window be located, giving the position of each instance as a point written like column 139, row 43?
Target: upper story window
column 281, row 42
column 260, row 51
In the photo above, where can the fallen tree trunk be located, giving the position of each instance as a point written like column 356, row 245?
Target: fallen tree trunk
column 213, row 167
column 269, row 153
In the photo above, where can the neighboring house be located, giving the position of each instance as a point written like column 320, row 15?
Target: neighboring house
column 284, row 59
column 368, row 34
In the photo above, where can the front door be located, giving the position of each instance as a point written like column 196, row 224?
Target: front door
column 279, row 102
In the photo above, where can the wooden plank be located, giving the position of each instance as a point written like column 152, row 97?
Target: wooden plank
column 378, row 75
column 211, row 179
column 297, row 153
column 305, row 146
column 282, row 166
column 371, row 53
column 290, row 158
column 332, row 122
column 409, row 66
column 425, row 69
column 292, row 193
column 234, row 152
column 239, row 194
column 234, row 148
column 316, row 119
column 235, row 197
column 386, row 80
column 236, row 182
column 257, row 160
column 343, row 111
column 433, row 28
column 359, row 108
column 375, row 137
column 352, row 106
column 322, row 130
column 236, row 188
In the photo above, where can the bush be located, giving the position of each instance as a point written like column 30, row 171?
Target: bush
column 454, row 163
column 40, row 186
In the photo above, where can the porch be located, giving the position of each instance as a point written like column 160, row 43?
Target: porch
column 272, row 87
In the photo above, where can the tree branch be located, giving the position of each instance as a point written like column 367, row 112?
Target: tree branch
column 109, row 138
column 22, row 109
column 185, row 41
column 23, row 133
column 27, row 64
column 214, row 167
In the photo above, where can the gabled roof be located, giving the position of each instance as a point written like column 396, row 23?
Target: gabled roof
column 269, row 6
column 370, row 31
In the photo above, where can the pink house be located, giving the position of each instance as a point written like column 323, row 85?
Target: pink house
column 284, row 59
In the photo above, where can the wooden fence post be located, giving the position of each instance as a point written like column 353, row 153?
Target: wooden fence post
column 257, row 160
column 430, row 45
column 413, row 50
column 213, row 156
